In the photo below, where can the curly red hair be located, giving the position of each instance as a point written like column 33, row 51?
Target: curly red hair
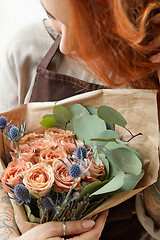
column 115, row 38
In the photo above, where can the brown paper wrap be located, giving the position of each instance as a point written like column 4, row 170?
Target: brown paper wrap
column 139, row 107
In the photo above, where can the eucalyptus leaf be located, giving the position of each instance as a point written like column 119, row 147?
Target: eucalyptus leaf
column 92, row 110
column 30, row 216
column 115, row 145
column 48, row 116
column 130, row 181
column 113, row 185
column 91, row 188
column 96, row 155
column 125, row 160
column 111, row 115
column 88, row 126
column 70, row 127
column 112, row 169
column 48, row 122
column 105, row 162
column 62, row 114
column 121, row 142
column 78, row 111
column 105, row 136
column 104, row 140
column 110, row 125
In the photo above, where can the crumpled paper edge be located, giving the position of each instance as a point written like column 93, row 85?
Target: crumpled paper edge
column 32, row 111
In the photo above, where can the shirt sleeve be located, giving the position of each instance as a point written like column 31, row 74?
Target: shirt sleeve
column 146, row 221
column 24, row 52
column 8, row 84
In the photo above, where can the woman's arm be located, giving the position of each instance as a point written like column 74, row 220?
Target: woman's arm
column 8, row 228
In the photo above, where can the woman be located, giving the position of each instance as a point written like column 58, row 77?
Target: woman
column 118, row 42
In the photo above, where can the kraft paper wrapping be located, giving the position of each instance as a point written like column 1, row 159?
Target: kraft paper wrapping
column 138, row 107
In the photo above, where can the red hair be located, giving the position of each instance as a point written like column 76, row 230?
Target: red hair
column 114, row 38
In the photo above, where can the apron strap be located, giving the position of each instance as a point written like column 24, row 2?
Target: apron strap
column 50, row 54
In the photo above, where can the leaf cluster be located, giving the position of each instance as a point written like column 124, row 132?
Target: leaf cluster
column 96, row 128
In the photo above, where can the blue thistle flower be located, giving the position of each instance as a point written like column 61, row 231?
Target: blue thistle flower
column 13, row 131
column 3, row 122
column 21, row 194
column 75, row 170
column 14, row 134
column 81, row 152
column 9, row 128
column 48, row 204
column 3, row 125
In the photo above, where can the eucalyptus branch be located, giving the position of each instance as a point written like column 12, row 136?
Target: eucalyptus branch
column 129, row 132
column 133, row 136
column 103, row 147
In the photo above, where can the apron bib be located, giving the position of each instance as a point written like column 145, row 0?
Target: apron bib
column 51, row 86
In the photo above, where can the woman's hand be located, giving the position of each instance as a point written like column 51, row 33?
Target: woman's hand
column 95, row 232
column 79, row 230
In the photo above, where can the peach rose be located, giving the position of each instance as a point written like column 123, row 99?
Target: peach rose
column 42, row 143
column 26, row 152
column 68, row 144
column 13, row 172
column 95, row 172
column 55, row 133
column 30, row 137
column 39, row 179
column 49, row 155
column 63, row 181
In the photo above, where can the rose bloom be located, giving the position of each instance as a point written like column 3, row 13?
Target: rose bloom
column 55, row 133
column 39, row 179
column 63, row 181
column 13, row 172
column 30, row 137
column 26, row 152
column 68, row 144
column 42, row 143
column 95, row 172
column 49, row 155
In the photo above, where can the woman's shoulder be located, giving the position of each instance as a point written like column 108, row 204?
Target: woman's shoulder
column 32, row 35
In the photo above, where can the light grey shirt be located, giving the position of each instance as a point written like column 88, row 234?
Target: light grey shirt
column 23, row 54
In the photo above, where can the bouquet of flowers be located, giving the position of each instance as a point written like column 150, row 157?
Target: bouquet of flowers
column 74, row 166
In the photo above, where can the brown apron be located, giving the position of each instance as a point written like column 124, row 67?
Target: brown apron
column 52, row 86
column 122, row 223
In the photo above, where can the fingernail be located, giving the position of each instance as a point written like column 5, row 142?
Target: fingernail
column 88, row 223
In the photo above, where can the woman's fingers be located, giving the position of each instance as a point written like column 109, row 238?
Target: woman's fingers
column 56, row 229
column 78, row 227
column 56, row 238
column 95, row 232
column 85, row 229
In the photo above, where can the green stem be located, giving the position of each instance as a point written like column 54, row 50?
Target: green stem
column 17, row 149
column 5, row 159
column 68, row 194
